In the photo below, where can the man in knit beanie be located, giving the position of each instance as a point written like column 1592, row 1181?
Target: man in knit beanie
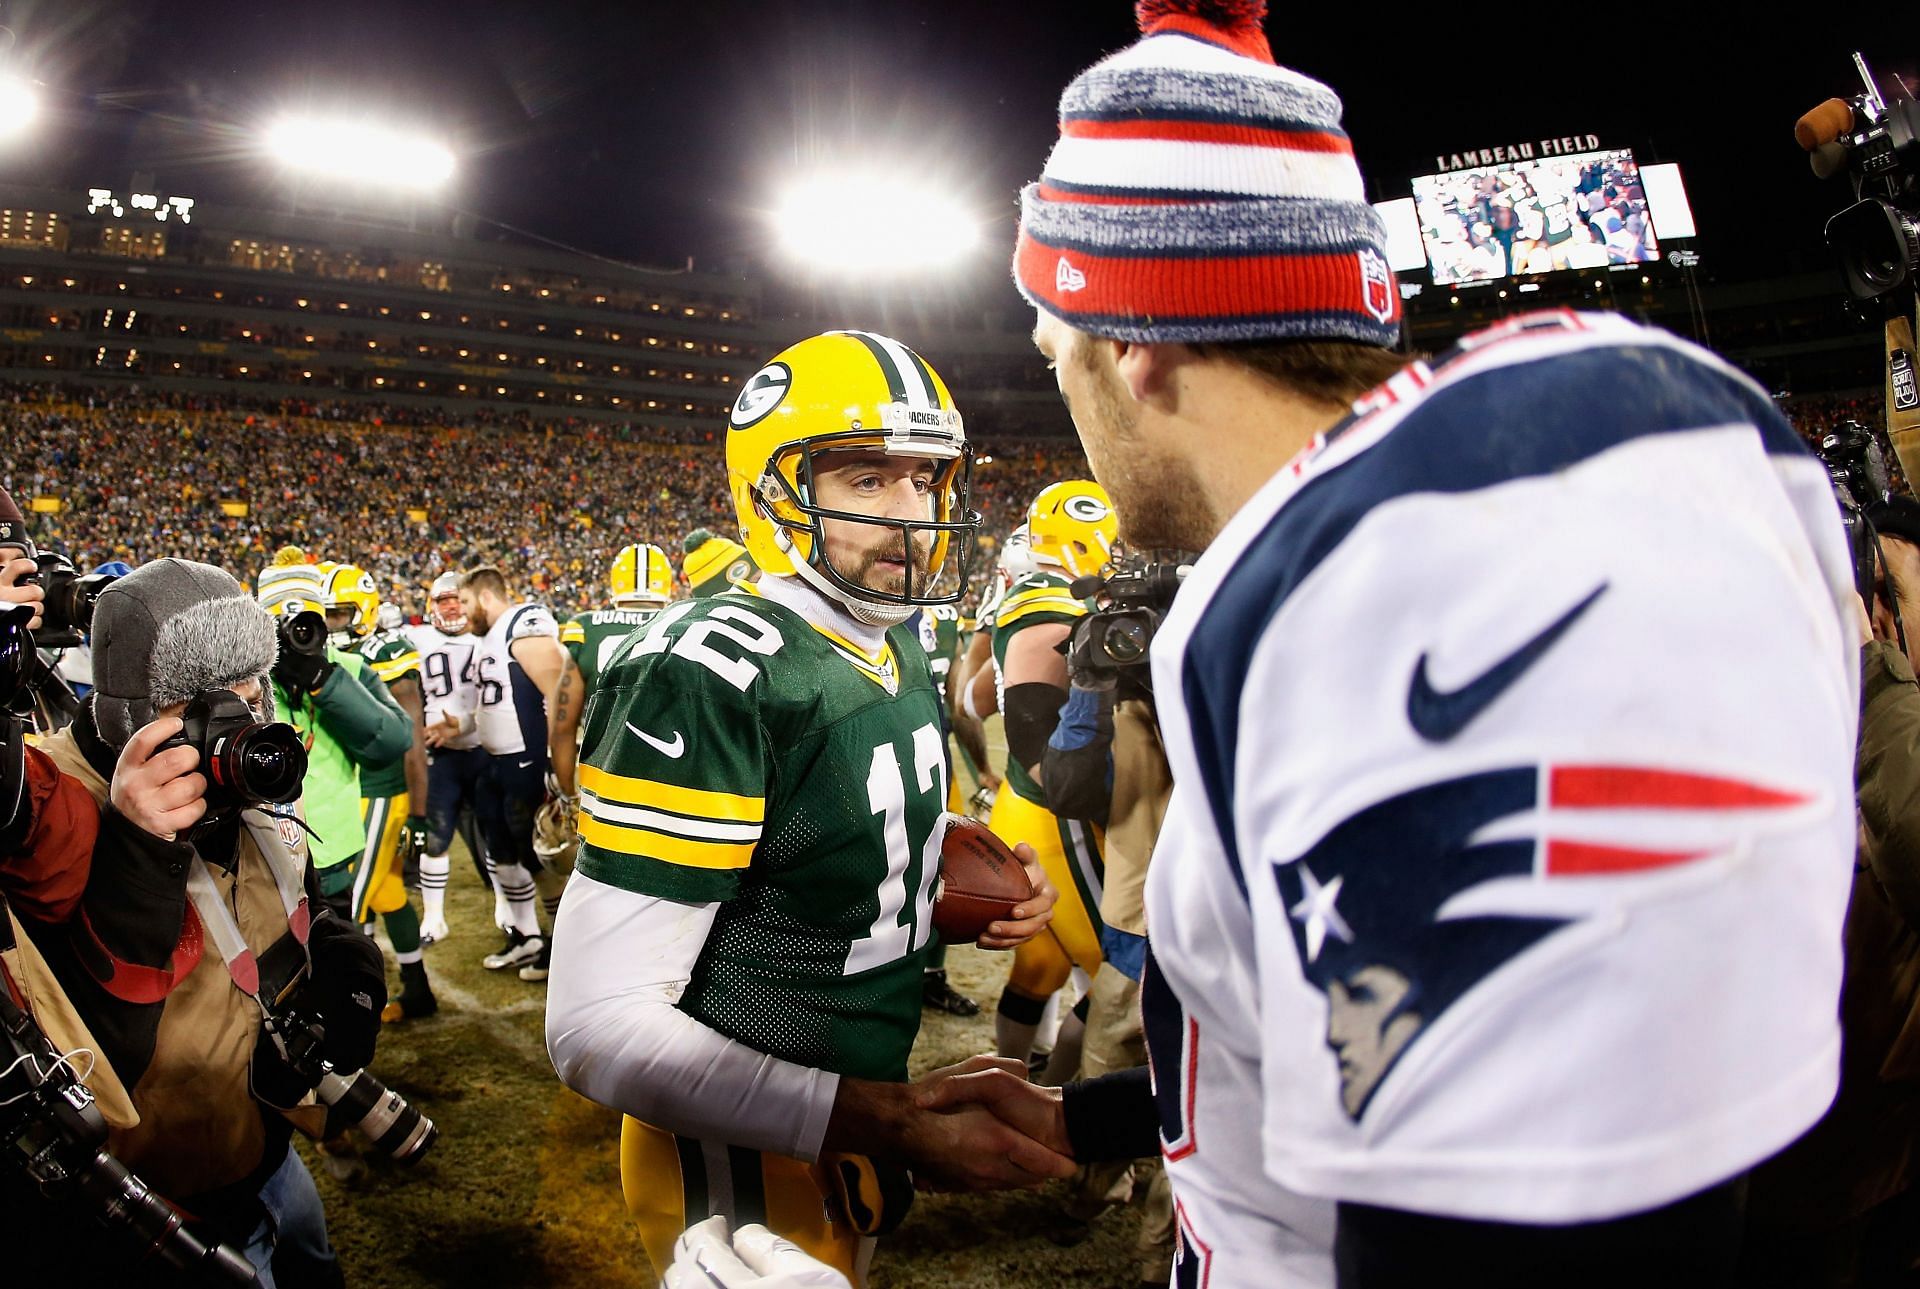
column 1495, row 922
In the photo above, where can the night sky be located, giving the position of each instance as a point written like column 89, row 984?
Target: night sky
column 656, row 131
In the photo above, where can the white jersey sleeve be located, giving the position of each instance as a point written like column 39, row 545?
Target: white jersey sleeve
column 530, row 620
column 1522, row 713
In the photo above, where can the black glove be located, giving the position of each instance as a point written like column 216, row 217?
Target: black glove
column 301, row 673
column 348, row 988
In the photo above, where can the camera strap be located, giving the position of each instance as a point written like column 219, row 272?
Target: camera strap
column 1903, row 394
column 288, row 871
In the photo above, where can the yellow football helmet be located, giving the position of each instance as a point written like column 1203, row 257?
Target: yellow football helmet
column 351, row 587
column 832, row 392
column 1071, row 526
column 629, row 591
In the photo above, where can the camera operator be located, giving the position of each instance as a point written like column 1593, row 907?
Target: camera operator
column 201, row 915
column 1837, row 1207
column 1104, row 765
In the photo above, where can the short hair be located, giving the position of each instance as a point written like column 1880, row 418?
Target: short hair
column 485, row 578
column 1327, row 371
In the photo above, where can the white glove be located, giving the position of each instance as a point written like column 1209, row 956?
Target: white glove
column 755, row 1258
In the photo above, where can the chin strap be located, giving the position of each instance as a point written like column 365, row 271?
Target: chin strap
column 874, row 615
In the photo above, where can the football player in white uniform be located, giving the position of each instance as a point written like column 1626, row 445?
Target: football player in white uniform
column 1496, row 920
column 450, row 682
column 529, row 720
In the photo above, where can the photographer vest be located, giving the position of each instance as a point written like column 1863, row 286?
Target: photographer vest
column 199, row 1126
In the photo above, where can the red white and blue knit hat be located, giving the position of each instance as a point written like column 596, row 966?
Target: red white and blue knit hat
column 1199, row 192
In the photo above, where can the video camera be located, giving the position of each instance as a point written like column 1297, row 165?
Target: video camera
column 53, row 1134
column 1116, row 637
column 1877, row 144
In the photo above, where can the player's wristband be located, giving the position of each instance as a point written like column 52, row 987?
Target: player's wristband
column 1111, row 1117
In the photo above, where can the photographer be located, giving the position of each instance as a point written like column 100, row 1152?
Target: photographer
column 1836, row 1207
column 1105, row 766
column 199, row 915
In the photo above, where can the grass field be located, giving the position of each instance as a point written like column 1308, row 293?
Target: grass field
column 523, row 1186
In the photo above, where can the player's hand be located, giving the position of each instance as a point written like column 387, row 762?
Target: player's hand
column 1037, row 1112
column 441, row 731
column 1030, row 916
column 754, row 1258
column 162, row 794
column 12, row 592
column 966, row 1147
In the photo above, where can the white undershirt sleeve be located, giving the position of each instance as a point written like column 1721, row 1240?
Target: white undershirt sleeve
column 620, row 964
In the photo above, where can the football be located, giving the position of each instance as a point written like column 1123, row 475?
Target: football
column 980, row 881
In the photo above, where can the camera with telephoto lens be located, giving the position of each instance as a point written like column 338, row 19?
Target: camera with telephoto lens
column 354, row 1099
column 1859, row 461
column 52, row 1133
column 67, row 614
column 305, row 632
column 1116, row 637
column 247, row 761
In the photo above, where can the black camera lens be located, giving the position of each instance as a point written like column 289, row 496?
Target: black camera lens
column 16, row 651
column 261, row 763
column 1126, row 639
column 305, row 631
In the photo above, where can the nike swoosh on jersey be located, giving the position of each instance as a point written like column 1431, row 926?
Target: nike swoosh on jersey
column 524, row 764
column 662, row 746
column 1438, row 717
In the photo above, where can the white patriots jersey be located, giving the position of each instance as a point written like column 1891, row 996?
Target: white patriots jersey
column 1518, row 716
column 513, row 712
column 449, row 677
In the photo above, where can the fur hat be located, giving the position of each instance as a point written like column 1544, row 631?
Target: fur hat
column 167, row 631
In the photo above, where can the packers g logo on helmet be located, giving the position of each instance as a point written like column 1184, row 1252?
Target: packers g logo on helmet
column 348, row 586
column 641, row 578
column 841, row 391
column 1071, row 525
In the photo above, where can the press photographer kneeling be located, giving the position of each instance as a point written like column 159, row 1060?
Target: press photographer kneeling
column 201, row 957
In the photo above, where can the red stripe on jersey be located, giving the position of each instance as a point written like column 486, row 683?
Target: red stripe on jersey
column 1209, row 287
column 1585, row 859
column 1231, row 132
column 1587, row 787
column 1189, row 1084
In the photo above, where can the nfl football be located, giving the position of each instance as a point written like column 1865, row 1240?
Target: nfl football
column 980, row 881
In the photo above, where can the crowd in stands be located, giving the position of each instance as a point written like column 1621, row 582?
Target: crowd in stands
column 408, row 498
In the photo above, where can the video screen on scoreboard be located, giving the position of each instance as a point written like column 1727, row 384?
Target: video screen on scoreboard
column 1584, row 211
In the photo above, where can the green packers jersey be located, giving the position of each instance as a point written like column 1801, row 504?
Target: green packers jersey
column 940, row 631
column 736, row 753
column 1034, row 599
column 593, row 637
column 391, row 657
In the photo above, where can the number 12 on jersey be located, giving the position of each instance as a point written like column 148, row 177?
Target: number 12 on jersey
column 895, row 933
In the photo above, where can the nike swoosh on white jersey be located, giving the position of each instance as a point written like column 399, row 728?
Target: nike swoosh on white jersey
column 664, row 748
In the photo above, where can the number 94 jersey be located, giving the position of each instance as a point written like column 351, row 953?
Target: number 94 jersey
column 736, row 753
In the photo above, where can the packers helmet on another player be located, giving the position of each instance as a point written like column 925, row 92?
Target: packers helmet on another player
column 443, row 605
column 832, row 392
column 1071, row 526
column 714, row 564
column 350, row 587
column 633, row 591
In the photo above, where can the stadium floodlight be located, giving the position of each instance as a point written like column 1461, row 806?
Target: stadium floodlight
column 19, row 106
column 861, row 223
column 359, row 152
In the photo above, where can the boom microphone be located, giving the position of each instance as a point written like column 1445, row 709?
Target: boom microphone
column 1828, row 160
column 1824, row 124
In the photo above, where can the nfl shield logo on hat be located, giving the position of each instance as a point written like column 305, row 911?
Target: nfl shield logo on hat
column 1376, row 285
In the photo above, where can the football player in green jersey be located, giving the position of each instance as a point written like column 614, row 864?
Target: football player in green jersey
column 642, row 584
column 762, row 793
column 393, row 798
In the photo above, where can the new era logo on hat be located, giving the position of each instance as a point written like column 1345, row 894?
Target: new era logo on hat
column 1067, row 278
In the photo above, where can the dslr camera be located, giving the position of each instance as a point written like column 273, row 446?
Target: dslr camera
column 52, row 1132
column 354, row 1099
column 67, row 615
column 1860, row 464
column 1116, row 637
column 247, row 761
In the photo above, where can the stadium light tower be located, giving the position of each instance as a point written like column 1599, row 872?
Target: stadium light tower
column 19, row 107
column 863, row 223
column 356, row 152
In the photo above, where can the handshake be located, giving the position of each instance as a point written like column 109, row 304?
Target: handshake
column 975, row 1126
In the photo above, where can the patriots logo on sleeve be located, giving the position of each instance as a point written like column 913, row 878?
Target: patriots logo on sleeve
column 1380, row 909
